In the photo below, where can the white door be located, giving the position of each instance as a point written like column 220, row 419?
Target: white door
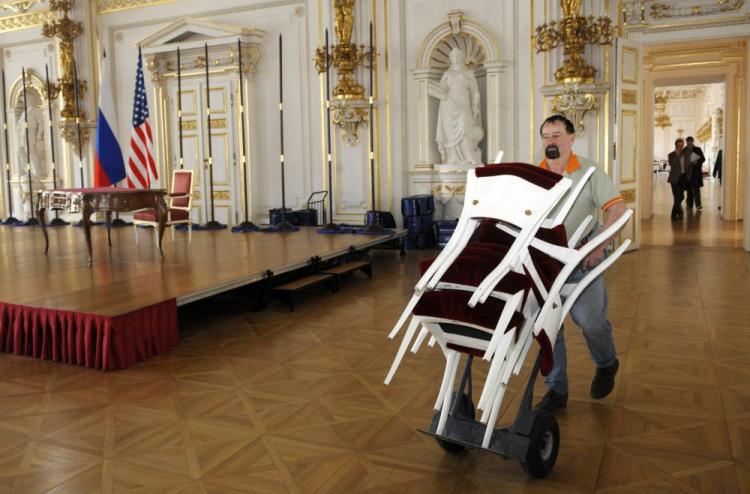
column 222, row 172
column 628, row 103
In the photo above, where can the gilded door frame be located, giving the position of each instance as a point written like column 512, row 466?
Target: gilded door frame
column 722, row 60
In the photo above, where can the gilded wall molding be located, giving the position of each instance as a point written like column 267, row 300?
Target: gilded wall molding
column 661, row 10
column 109, row 6
column 24, row 21
column 687, row 24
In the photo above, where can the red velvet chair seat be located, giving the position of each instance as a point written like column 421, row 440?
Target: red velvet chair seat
column 530, row 173
column 150, row 215
column 453, row 305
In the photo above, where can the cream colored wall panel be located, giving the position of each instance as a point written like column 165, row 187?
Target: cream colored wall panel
column 629, row 150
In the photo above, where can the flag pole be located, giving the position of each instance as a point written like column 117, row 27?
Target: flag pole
column 213, row 224
column 247, row 225
column 32, row 221
column 117, row 222
column 330, row 226
column 179, row 106
column 284, row 226
column 373, row 226
column 57, row 221
column 11, row 220
column 78, row 122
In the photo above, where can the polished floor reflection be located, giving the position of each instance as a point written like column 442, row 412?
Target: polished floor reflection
column 699, row 228
column 274, row 401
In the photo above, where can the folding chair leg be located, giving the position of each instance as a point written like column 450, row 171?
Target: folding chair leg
column 453, row 360
column 420, row 339
column 404, row 316
column 135, row 228
column 190, row 233
column 402, row 349
column 172, row 230
column 493, row 416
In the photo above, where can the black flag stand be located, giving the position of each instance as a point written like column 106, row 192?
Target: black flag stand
column 329, row 227
column 57, row 221
column 78, row 130
column 179, row 107
column 32, row 221
column 374, row 227
column 11, row 220
column 246, row 225
column 119, row 222
column 213, row 224
column 284, row 226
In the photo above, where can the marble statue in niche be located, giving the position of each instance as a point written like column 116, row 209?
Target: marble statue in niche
column 38, row 151
column 459, row 128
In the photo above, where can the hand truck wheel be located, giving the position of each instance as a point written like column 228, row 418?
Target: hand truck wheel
column 544, row 444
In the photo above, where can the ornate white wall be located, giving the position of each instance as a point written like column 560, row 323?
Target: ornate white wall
column 401, row 28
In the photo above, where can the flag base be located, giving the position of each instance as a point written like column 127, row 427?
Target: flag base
column 11, row 221
column 284, row 226
column 30, row 222
column 58, row 222
column 118, row 223
column 333, row 228
column 245, row 227
column 211, row 225
column 376, row 229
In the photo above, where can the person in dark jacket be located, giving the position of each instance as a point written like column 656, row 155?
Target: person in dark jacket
column 679, row 176
column 697, row 158
column 717, row 166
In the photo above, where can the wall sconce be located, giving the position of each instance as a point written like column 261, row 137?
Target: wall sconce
column 574, row 104
column 349, row 108
column 66, row 31
column 574, row 32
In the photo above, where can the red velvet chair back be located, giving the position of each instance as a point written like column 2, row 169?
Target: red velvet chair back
column 182, row 183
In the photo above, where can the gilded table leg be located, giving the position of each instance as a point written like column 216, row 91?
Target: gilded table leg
column 42, row 214
column 161, row 216
column 86, row 219
column 109, row 225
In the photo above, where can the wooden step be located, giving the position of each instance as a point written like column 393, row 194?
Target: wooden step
column 287, row 291
column 348, row 267
column 313, row 279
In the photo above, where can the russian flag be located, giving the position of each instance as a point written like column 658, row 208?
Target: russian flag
column 109, row 167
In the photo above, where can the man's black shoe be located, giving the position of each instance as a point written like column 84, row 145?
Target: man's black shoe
column 604, row 380
column 552, row 402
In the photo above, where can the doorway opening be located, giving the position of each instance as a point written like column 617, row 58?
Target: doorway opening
column 694, row 89
column 697, row 111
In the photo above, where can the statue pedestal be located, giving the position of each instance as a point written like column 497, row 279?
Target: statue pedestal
column 447, row 182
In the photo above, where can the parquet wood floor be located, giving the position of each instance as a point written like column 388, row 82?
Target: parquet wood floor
column 274, row 401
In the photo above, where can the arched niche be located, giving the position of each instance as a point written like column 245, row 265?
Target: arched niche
column 483, row 55
column 36, row 108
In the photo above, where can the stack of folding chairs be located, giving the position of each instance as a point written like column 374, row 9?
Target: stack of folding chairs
column 500, row 282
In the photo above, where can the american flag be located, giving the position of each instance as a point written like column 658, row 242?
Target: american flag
column 142, row 172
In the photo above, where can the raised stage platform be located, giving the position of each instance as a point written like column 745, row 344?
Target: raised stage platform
column 123, row 308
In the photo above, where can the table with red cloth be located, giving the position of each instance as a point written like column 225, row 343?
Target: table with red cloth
column 107, row 199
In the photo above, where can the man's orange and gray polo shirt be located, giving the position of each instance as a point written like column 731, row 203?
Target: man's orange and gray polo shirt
column 599, row 192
